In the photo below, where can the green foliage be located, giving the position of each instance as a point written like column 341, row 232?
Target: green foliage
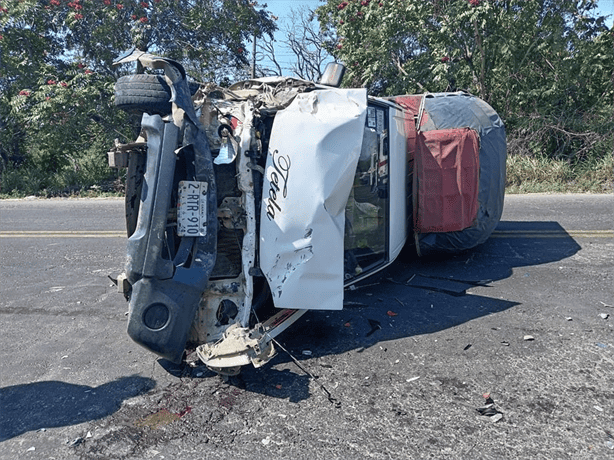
column 546, row 66
column 57, row 118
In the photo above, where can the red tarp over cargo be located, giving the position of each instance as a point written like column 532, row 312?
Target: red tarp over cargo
column 447, row 174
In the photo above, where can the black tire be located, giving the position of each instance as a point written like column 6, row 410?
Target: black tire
column 145, row 93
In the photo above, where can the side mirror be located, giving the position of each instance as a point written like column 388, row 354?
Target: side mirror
column 333, row 74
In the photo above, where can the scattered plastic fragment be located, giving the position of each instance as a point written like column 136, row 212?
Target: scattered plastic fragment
column 488, row 410
column 569, row 318
column 467, row 347
column 601, row 345
column 266, row 441
column 528, row 338
column 31, row 449
column 605, row 304
column 347, row 324
column 307, row 352
column 88, row 435
column 505, row 344
column 278, row 386
column 413, row 379
column 64, row 357
column 41, row 430
column 391, row 313
column 604, row 315
column 610, row 445
column 75, row 442
column 598, row 408
column 495, row 418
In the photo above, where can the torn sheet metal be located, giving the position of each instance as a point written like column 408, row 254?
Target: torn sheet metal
column 313, row 152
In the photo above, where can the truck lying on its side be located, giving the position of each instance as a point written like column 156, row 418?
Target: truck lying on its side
column 249, row 205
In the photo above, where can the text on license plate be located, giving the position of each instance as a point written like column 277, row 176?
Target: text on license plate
column 192, row 208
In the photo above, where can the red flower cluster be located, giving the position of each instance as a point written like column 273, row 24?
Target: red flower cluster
column 143, row 20
column 75, row 5
column 64, row 84
column 55, row 2
column 133, row 17
column 3, row 10
column 88, row 71
column 120, row 6
column 144, row 4
column 80, row 65
column 365, row 2
column 106, row 2
column 474, row 2
column 342, row 5
column 78, row 16
column 23, row 92
column 51, row 82
column 445, row 59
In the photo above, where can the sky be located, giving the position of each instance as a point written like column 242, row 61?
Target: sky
column 282, row 9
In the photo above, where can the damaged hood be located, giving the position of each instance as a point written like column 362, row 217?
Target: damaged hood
column 313, row 151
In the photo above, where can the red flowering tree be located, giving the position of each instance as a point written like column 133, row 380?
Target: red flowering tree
column 56, row 75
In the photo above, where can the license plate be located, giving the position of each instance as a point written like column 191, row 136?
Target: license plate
column 192, row 208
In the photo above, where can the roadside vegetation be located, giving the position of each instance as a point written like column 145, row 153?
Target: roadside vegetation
column 546, row 66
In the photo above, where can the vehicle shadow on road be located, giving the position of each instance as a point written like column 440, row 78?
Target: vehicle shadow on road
column 414, row 297
column 49, row 404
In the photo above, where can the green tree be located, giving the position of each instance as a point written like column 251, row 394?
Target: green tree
column 544, row 65
column 56, row 74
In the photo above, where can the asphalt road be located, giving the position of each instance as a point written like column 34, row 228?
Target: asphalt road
column 536, row 337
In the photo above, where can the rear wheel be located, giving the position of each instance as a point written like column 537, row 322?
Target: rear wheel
column 145, row 93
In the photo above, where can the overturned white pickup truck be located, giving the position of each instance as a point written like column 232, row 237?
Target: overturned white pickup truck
column 247, row 206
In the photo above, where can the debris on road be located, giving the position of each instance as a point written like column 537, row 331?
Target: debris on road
column 413, row 379
column 467, row 347
column 604, row 315
column 489, row 409
column 391, row 313
column 307, row 352
column 495, row 418
column 75, row 442
column 375, row 325
column 528, row 338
